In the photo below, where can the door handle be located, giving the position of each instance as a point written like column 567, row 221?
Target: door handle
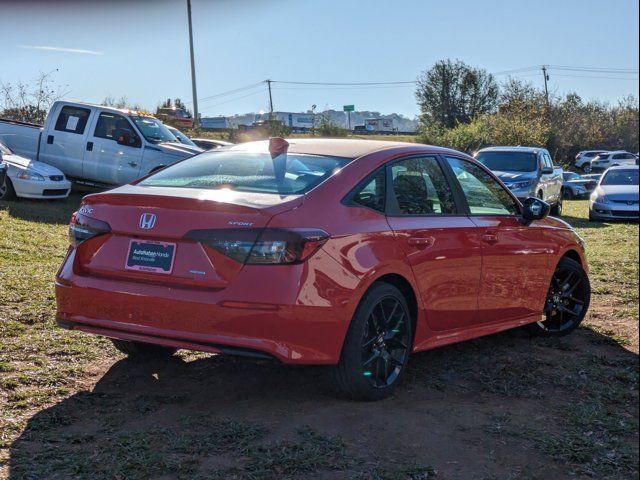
column 423, row 242
column 133, row 164
column 490, row 238
column 49, row 139
column 89, row 146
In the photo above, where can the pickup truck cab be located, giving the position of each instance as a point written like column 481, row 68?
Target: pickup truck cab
column 96, row 145
column 527, row 172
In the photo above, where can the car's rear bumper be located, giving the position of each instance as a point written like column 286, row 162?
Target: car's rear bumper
column 304, row 321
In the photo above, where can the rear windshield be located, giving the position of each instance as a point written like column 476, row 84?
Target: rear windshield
column 508, row 161
column 248, row 172
column 620, row 177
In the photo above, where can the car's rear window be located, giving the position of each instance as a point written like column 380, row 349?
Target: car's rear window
column 248, row 171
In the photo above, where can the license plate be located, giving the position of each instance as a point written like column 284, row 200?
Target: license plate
column 148, row 256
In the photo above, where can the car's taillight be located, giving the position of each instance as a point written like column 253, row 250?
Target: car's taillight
column 267, row 246
column 82, row 228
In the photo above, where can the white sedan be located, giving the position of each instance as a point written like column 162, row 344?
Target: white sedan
column 30, row 179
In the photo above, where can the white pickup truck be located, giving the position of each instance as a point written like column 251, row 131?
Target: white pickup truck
column 96, row 145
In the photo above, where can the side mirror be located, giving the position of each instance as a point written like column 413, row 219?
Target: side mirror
column 547, row 170
column 534, row 209
column 125, row 138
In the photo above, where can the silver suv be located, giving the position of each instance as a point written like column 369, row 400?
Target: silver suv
column 527, row 172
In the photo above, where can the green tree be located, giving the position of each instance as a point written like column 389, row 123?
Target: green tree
column 452, row 92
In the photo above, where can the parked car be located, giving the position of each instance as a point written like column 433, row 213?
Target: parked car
column 182, row 138
column 96, row 145
column 30, row 179
column 616, row 196
column 576, row 186
column 527, row 172
column 263, row 249
column 584, row 158
column 210, row 143
column 179, row 116
column 593, row 176
column 612, row 159
column 3, row 170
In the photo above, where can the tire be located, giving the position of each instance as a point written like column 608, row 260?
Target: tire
column 586, row 168
column 142, row 350
column 540, row 195
column 372, row 349
column 556, row 210
column 7, row 192
column 567, row 300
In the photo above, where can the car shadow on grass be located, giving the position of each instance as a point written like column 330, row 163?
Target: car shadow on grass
column 55, row 212
column 488, row 408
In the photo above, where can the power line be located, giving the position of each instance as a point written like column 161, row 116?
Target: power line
column 344, row 83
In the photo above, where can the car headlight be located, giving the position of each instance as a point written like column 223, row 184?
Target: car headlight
column 29, row 174
column 519, row 185
column 599, row 198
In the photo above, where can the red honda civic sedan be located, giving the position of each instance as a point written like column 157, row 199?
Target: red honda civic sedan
column 348, row 253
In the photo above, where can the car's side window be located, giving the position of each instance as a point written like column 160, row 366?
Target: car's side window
column 72, row 119
column 420, row 187
column 372, row 195
column 547, row 160
column 111, row 126
column 484, row 195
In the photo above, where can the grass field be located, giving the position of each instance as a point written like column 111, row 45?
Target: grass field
column 501, row 407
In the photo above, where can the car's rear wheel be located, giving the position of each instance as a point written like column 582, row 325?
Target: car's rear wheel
column 140, row 349
column 7, row 191
column 567, row 300
column 377, row 346
column 586, row 168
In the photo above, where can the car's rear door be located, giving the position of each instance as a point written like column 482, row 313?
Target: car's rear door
column 63, row 142
column 515, row 257
column 440, row 242
column 106, row 160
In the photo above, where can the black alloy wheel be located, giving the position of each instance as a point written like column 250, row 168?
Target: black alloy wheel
column 385, row 342
column 567, row 300
column 377, row 346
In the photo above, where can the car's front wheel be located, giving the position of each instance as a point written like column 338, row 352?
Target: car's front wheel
column 567, row 300
column 586, row 168
column 377, row 347
column 142, row 350
column 6, row 190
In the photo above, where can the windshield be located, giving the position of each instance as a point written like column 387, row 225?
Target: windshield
column 182, row 138
column 508, row 161
column 153, row 129
column 248, row 172
column 4, row 149
column 620, row 177
column 570, row 176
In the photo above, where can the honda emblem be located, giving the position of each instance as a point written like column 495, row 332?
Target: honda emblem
column 147, row 221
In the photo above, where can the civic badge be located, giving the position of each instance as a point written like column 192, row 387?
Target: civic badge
column 147, row 221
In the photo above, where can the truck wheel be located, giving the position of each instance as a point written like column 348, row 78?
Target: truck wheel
column 586, row 168
column 556, row 210
column 142, row 350
column 7, row 191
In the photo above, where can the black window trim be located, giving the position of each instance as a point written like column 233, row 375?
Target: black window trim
column 460, row 192
column 139, row 144
column 65, row 130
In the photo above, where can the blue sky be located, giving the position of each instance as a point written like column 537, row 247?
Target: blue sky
column 140, row 48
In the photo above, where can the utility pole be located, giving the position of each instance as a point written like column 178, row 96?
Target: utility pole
column 270, row 100
column 546, row 79
column 196, row 120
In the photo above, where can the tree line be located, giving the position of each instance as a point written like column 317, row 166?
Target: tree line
column 465, row 108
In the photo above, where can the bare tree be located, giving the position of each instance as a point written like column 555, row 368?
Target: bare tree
column 29, row 103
